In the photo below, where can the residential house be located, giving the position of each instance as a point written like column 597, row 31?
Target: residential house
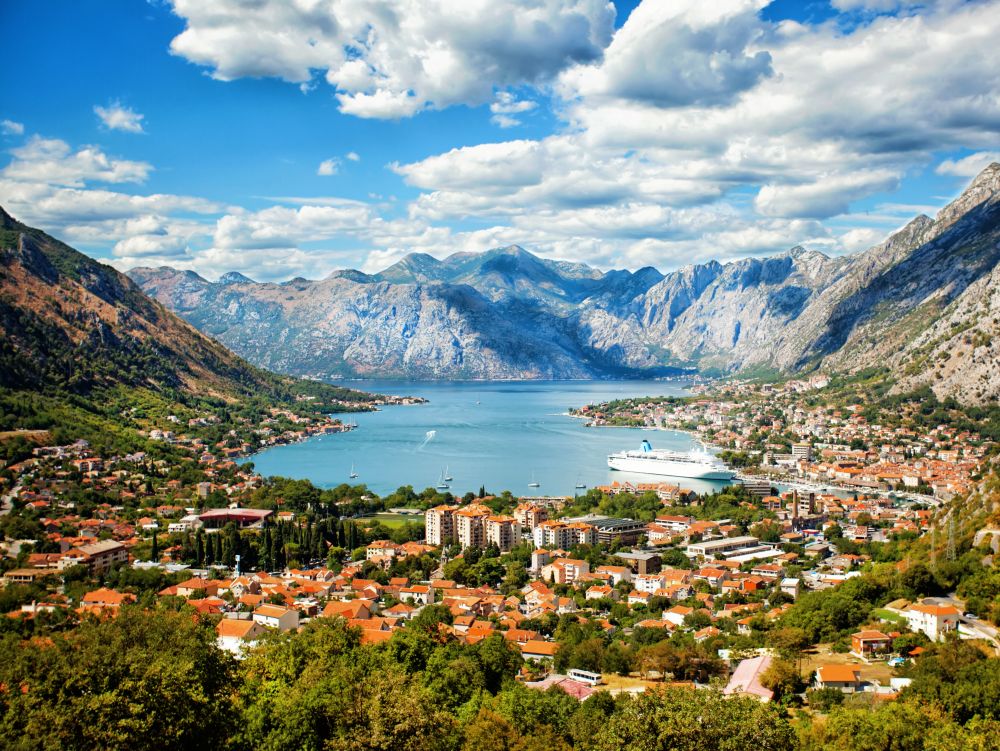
column 934, row 621
column 276, row 616
column 746, row 679
column 539, row 650
column 845, row 678
column 417, row 594
column 869, row 643
column 235, row 635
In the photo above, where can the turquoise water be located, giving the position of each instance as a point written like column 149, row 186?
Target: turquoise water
column 502, row 435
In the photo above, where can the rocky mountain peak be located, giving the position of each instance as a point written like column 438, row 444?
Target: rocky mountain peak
column 984, row 187
column 235, row 277
column 7, row 221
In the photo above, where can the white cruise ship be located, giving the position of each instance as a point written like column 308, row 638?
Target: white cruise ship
column 696, row 465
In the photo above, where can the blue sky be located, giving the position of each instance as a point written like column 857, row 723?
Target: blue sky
column 285, row 142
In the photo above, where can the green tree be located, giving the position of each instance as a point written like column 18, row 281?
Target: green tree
column 142, row 680
column 680, row 719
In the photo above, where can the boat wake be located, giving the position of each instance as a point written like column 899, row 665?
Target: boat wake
column 428, row 437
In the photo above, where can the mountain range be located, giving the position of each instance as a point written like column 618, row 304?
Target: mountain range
column 74, row 327
column 923, row 302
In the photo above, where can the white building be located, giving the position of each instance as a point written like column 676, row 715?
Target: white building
column 276, row 616
column 934, row 621
column 236, row 635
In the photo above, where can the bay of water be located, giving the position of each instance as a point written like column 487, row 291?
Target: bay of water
column 501, row 435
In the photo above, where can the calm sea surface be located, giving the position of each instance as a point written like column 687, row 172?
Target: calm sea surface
column 499, row 434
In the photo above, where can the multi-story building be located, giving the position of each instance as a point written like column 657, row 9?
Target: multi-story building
column 439, row 525
column 530, row 515
column 722, row 547
column 583, row 534
column 562, row 536
column 649, row 583
column 626, row 531
column 383, row 549
column 934, row 621
column 470, row 525
column 801, row 451
column 502, row 531
column 97, row 556
column 565, row 570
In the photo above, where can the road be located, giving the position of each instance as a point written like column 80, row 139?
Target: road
column 7, row 501
column 973, row 627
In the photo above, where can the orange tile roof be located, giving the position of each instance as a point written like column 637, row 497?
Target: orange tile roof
column 838, row 674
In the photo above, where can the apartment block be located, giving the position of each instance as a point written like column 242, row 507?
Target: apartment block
column 439, row 525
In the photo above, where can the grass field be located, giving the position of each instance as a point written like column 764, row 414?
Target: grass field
column 392, row 520
column 617, row 683
column 888, row 615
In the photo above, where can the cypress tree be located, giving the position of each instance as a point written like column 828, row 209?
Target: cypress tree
column 278, row 549
column 265, row 550
column 154, row 555
column 232, row 545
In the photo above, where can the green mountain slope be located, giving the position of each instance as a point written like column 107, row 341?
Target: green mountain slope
column 78, row 338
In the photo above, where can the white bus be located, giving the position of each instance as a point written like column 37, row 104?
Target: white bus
column 585, row 676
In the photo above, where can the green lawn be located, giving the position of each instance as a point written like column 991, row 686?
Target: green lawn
column 392, row 520
column 888, row 615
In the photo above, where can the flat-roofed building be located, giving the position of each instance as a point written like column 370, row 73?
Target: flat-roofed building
column 721, row 547
column 642, row 561
column 99, row 556
column 610, row 529
column 217, row 518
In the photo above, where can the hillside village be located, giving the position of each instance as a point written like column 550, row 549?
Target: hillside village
column 778, row 432
column 619, row 589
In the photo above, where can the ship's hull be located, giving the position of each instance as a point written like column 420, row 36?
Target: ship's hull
column 668, row 468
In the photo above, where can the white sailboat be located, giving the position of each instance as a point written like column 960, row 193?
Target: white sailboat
column 534, row 482
column 353, row 473
column 447, row 477
column 442, row 485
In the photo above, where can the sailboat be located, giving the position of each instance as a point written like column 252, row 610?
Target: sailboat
column 447, row 477
column 442, row 485
column 534, row 482
column 353, row 473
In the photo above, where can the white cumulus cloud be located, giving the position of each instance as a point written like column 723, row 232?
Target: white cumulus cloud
column 394, row 58
column 51, row 160
column 969, row 166
column 11, row 128
column 505, row 108
column 118, row 117
column 328, row 167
